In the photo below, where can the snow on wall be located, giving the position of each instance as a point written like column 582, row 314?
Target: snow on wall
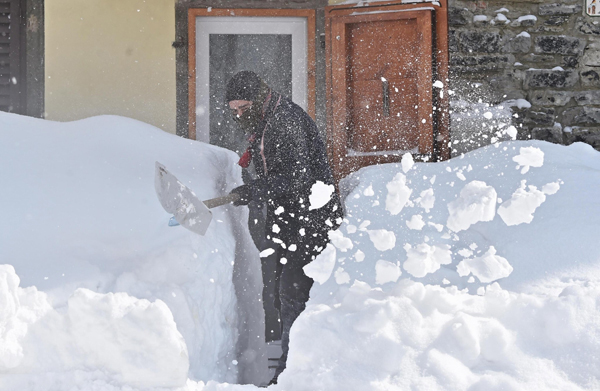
column 83, row 229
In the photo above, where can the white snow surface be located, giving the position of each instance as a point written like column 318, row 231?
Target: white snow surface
column 498, row 306
column 100, row 290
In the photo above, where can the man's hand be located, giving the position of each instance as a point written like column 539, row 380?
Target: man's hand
column 245, row 193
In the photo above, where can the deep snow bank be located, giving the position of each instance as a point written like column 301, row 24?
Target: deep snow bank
column 480, row 273
column 79, row 221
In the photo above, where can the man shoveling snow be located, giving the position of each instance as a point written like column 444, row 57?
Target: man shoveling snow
column 289, row 157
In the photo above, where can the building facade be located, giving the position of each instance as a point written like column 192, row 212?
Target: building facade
column 532, row 64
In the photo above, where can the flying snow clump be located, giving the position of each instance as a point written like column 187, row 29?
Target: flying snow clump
column 382, row 239
column 487, row 268
column 407, row 162
column 321, row 268
column 398, row 194
column 320, row 194
column 341, row 242
column 424, row 259
column 521, row 206
column 529, row 157
column 386, row 272
column 476, row 202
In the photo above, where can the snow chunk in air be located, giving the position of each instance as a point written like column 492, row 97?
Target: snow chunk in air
column 320, row 194
column 341, row 242
column 424, row 259
column 382, row 239
column 416, row 222
column 487, row 268
column 407, row 162
column 386, row 272
column 398, row 194
column 529, row 157
column 476, row 202
column 521, row 206
column 321, row 268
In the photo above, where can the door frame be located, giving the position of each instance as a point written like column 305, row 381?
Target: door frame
column 337, row 117
column 310, row 55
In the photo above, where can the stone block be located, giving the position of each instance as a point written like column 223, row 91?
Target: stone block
column 556, row 20
column 552, row 134
column 539, row 58
column 559, row 9
column 480, row 41
column 518, row 44
column 539, row 117
column 452, row 41
column 590, row 77
column 497, row 61
column 559, row 44
column 591, row 58
column 459, row 16
column 587, row 98
column 570, row 61
column 549, row 29
column 586, row 27
column 588, row 135
column 549, row 97
column 547, row 78
column 582, row 116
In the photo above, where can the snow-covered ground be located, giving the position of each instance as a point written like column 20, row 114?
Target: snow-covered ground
column 480, row 273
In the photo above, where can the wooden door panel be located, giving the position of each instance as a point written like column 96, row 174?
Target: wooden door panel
column 377, row 128
column 380, row 79
column 382, row 49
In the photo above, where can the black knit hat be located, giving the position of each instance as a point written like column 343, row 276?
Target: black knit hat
column 244, row 85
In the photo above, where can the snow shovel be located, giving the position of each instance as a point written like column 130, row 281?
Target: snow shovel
column 183, row 204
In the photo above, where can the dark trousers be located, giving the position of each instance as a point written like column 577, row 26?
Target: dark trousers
column 293, row 286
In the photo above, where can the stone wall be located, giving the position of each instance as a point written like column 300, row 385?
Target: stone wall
column 545, row 52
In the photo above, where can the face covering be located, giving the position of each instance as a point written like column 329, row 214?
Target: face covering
column 250, row 119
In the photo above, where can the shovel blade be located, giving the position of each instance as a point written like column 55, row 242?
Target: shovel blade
column 181, row 202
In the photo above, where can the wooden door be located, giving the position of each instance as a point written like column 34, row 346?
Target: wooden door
column 380, row 76
column 389, row 79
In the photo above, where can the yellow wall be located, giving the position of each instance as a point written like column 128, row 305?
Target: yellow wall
column 111, row 57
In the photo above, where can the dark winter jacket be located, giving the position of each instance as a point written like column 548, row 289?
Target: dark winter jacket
column 289, row 157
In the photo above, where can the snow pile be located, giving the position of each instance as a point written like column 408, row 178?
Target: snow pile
column 492, row 287
column 479, row 273
column 110, row 295
column 425, row 337
column 134, row 341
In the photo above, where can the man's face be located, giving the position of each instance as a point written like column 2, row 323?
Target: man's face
column 245, row 114
column 238, row 107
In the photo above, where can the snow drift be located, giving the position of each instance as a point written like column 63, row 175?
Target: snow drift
column 492, row 282
column 107, row 290
column 479, row 273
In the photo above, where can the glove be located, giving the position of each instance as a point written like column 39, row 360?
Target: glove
column 245, row 193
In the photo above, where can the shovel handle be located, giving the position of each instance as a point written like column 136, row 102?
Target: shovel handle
column 214, row 202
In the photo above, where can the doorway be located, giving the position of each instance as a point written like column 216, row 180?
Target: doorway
column 276, row 44
column 382, row 64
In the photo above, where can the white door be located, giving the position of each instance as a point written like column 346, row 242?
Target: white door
column 273, row 47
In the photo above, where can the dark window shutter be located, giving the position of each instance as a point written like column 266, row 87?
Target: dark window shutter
column 10, row 55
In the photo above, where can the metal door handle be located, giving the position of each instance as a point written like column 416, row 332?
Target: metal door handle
column 386, row 97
